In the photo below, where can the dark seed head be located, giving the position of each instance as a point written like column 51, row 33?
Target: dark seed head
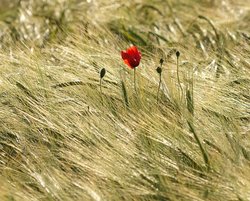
column 178, row 53
column 159, row 70
column 102, row 73
column 161, row 61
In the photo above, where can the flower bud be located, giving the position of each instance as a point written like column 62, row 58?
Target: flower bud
column 161, row 61
column 178, row 53
column 159, row 70
column 102, row 73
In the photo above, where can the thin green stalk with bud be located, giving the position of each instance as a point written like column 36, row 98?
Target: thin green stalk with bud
column 178, row 77
column 159, row 71
column 102, row 74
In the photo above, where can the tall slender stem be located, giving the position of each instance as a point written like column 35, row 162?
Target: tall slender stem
column 101, row 89
column 158, row 89
column 178, row 77
column 102, row 74
column 135, row 80
column 101, row 85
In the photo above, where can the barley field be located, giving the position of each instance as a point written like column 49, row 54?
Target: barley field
column 180, row 131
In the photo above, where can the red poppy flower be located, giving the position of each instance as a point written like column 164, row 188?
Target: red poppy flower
column 131, row 57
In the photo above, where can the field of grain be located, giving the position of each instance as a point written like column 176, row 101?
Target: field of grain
column 63, row 137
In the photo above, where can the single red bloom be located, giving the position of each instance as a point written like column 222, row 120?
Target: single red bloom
column 131, row 57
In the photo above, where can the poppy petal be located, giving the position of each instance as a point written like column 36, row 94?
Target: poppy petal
column 131, row 50
column 126, row 58
column 136, row 53
column 124, row 55
column 126, row 61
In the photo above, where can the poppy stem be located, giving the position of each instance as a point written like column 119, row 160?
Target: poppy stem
column 178, row 77
column 159, row 71
column 102, row 74
column 135, row 80
column 158, row 89
column 101, row 89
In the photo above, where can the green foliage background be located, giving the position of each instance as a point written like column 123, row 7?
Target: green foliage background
column 61, row 139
